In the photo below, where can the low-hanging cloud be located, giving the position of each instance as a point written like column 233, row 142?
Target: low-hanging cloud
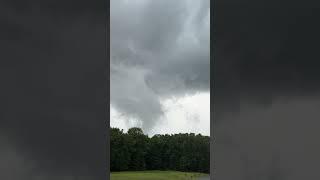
column 52, row 92
column 279, row 142
column 264, row 52
column 266, row 90
column 159, row 49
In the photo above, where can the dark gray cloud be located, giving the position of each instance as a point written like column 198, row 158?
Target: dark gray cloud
column 52, row 90
column 266, row 50
column 266, row 89
column 159, row 49
column 279, row 141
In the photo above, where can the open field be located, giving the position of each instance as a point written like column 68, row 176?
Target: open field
column 155, row 175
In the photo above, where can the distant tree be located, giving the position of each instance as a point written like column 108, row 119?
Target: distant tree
column 135, row 131
column 119, row 151
column 137, row 148
column 136, row 151
column 153, row 157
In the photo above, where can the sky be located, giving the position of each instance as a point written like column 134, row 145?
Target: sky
column 53, row 107
column 160, row 65
column 266, row 100
column 266, row 83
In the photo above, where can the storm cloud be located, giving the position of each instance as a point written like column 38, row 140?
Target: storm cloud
column 53, row 91
column 264, row 50
column 159, row 50
column 266, row 94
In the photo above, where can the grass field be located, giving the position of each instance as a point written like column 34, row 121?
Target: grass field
column 155, row 175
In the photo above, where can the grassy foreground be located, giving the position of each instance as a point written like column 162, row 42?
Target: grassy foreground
column 155, row 175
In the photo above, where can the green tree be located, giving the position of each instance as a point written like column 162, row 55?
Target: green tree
column 138, row 148
column 119, row 151
column 136, row 151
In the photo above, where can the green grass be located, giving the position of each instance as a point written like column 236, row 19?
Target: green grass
column 155, row 175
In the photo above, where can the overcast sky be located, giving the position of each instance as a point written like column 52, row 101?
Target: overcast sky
column 160, row 66
column 266, row 90
column 52, row 68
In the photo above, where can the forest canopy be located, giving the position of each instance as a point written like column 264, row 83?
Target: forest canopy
column 135, row 151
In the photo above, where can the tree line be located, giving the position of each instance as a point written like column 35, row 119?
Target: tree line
column 135, row 151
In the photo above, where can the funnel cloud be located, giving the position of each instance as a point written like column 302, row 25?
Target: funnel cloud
column 159, row 50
